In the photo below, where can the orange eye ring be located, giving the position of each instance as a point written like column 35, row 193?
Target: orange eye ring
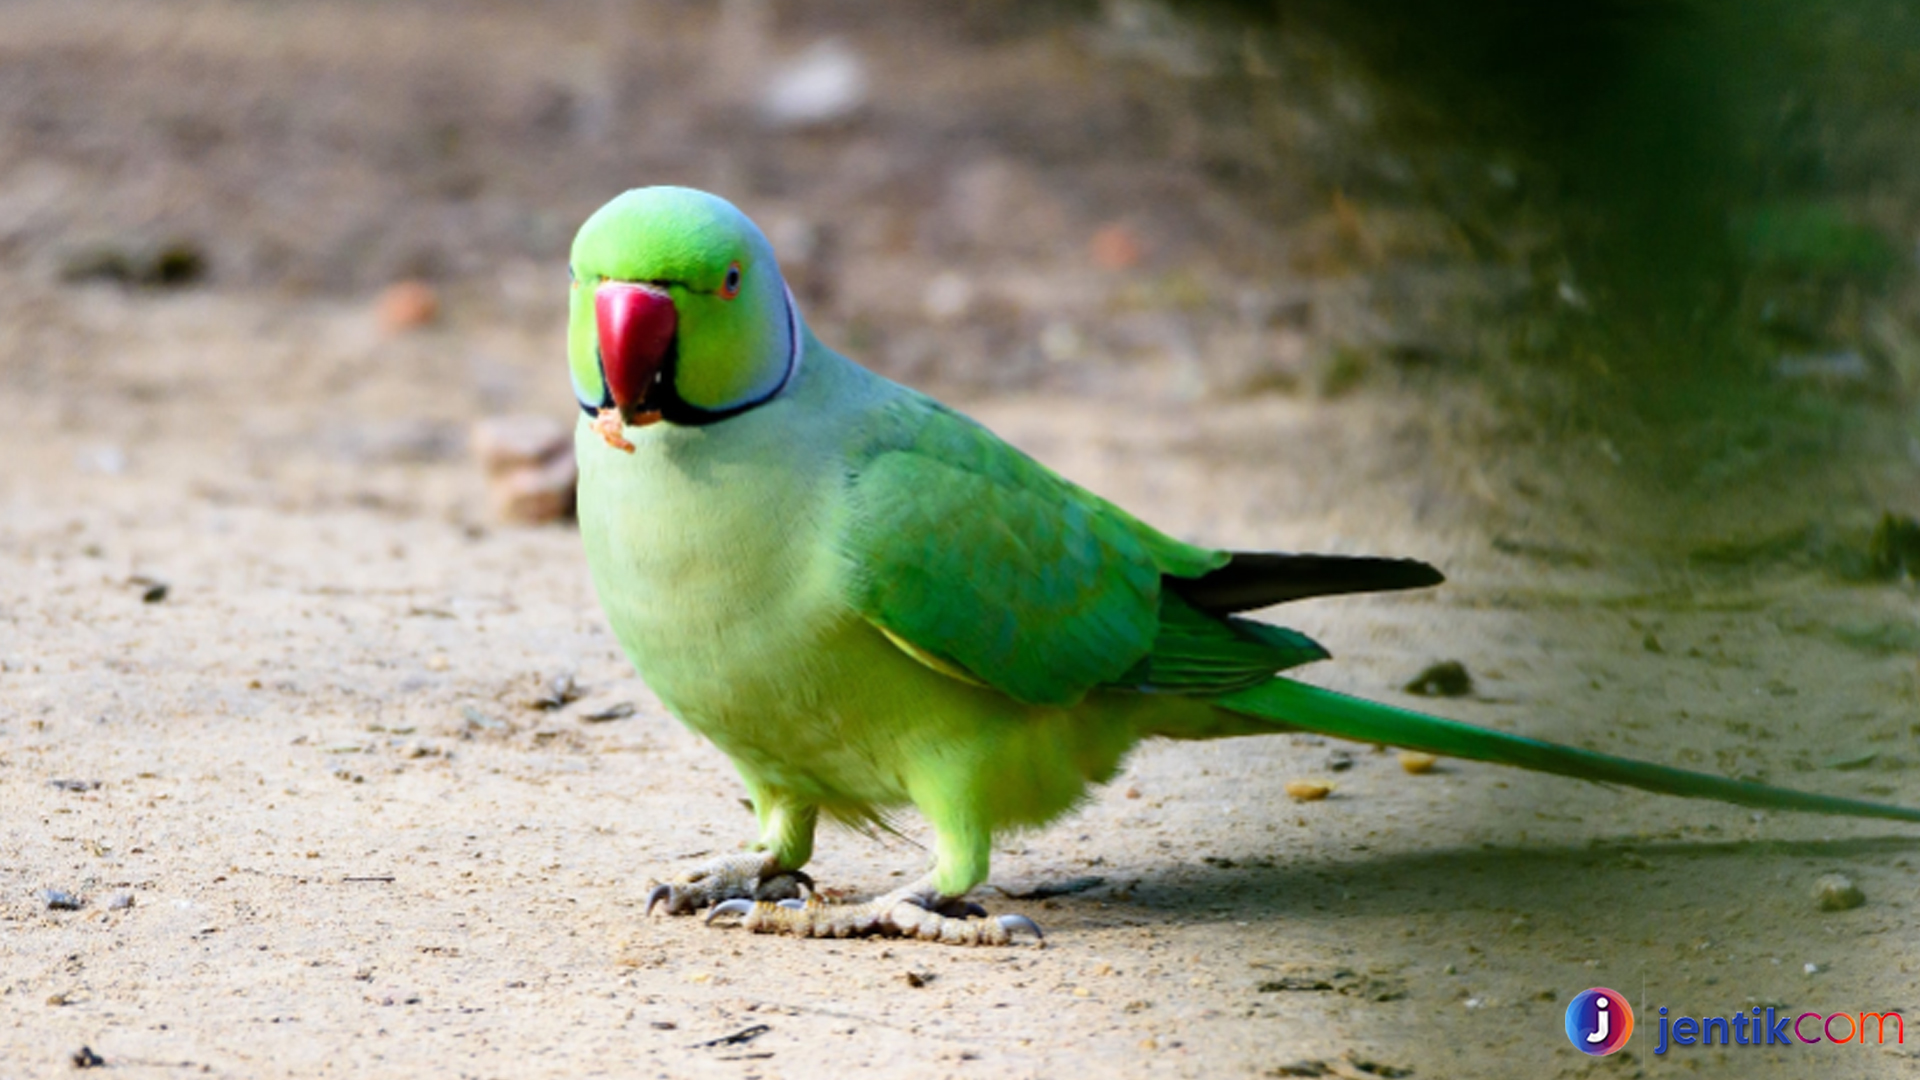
column 730, row 286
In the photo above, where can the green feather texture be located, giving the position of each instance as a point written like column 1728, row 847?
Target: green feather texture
column 1328, row 713
column 869, row 601
column 983, row 557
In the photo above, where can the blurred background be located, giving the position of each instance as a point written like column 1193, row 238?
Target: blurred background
column 1679, row 234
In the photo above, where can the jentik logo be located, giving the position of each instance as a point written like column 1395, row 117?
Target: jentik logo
column 1598, row 1021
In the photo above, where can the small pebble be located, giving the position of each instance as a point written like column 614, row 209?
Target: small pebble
column 553, row 693
column 1115, row 247
column 61, row 900
column 1447, row 678
column 619, row 710
column 1308, row 790
column 531, row 472
column 505, row 443
column 1837, row 892
column 85, row 1058
column 408, row 305
column 1416, row 762
column 120, row 901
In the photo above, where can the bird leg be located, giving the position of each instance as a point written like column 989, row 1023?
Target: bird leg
column 756, row 875
column 916, row 911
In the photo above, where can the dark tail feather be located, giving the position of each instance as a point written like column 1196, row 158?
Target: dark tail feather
column 1255, row 579
column 1310, row 708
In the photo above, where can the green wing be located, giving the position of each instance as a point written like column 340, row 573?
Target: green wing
column 985, row 565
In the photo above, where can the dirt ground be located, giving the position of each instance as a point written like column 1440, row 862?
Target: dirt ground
column 315, row 825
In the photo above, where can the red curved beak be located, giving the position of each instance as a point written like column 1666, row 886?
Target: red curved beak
column 636, row 325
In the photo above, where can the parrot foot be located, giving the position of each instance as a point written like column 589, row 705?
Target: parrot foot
column 913, row 912
column 755, row 875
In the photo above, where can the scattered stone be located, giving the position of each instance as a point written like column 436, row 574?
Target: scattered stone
column 1115, row 247
column 85, row 1058
column 477, row 719
column 1308, row 790
column 75, row 785
column 619, row 710
column 1339, row 761
column 739, row 1038
column 1416, row 762
column 171, row 265
column 554, row 693
column 107, row 459
column 61, row 900
column 176, row 264
column 918, row 979
column 1293, row 983
column 152, row 589
column 506, row 443
column 822, row 86
column 947, row 297
column 1375, row 1068
column 1837, row 892
column 408, row 305
column 120, row 901
column 531, row 472
column 1448, row 678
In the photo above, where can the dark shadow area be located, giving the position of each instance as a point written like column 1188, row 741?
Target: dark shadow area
column 1707, row 207
column 1566, row 880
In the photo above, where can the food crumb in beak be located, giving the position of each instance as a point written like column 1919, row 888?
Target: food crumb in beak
column 608, row 423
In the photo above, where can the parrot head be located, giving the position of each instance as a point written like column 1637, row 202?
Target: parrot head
column 678, row 312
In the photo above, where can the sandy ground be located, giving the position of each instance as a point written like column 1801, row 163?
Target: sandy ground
column 353, row 849
column 315, row 827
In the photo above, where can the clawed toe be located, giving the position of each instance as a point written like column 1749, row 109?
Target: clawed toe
column 734, row 907
column 907, row 913
column 1010, row 923
column 750, row 876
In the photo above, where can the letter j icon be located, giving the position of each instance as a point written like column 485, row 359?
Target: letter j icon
column 1599, row 1021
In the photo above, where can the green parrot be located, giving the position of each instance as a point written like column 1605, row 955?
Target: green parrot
column 867, row 600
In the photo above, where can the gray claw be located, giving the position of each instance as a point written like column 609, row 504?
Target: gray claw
column 742, row 907
column 1010, row 923
column 659, row 893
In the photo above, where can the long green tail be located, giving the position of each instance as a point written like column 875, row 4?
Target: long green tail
column 1310, row 708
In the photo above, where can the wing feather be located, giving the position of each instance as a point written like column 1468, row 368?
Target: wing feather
column 984, row 565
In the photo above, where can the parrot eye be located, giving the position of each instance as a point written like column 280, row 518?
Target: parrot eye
column 730, row 288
